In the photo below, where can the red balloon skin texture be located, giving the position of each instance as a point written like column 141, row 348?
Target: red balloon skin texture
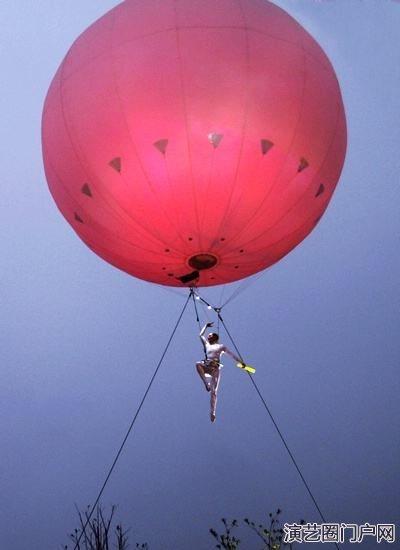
column 175, row 129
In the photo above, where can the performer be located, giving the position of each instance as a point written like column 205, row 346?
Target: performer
column 211, row 366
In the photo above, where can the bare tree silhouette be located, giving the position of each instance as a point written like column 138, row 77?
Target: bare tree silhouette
column 271, row 535
column 99, row 532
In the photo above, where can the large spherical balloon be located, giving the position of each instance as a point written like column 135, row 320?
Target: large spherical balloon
column 194, row 141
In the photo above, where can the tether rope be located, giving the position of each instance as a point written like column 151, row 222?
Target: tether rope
column 244, row 285
column 198, row 319
column 133, row 421
column 306, row 485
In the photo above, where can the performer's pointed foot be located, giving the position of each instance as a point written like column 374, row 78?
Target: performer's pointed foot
column 212, row 417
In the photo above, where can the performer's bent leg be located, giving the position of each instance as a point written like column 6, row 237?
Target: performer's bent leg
column 200, row 370
column 214, row 390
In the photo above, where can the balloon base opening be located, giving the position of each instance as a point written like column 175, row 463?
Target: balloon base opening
column 202, row 261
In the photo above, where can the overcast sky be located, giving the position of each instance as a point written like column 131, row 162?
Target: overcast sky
column 80, row 339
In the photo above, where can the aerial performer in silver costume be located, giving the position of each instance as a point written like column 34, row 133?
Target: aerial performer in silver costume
column 209, row 368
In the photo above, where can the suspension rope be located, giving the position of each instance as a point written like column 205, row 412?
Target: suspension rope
column 206, row 311
column 198, row 319
column 244, row 285
column 196, row 310
column 204, row 301
column 209, row 306
column 276, row 426
column 224, row 287
column 133, row 421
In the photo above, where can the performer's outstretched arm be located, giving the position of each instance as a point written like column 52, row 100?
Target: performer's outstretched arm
column 235, row 357
column 203, row 339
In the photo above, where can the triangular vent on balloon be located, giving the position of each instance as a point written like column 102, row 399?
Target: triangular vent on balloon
column 116, row 164
column 78, row 218
column 161, row 145
column 321, row 189
column 303, row 164
column 86, row 190
column 215, row 139
column 266, row 145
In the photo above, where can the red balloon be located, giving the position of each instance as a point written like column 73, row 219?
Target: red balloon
column 194, row 141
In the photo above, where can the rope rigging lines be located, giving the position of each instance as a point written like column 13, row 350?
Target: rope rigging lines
column 195, row 297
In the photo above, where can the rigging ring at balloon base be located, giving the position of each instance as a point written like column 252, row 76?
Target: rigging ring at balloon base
column 203, row 261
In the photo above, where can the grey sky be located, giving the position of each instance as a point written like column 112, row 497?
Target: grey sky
column 80, row 339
